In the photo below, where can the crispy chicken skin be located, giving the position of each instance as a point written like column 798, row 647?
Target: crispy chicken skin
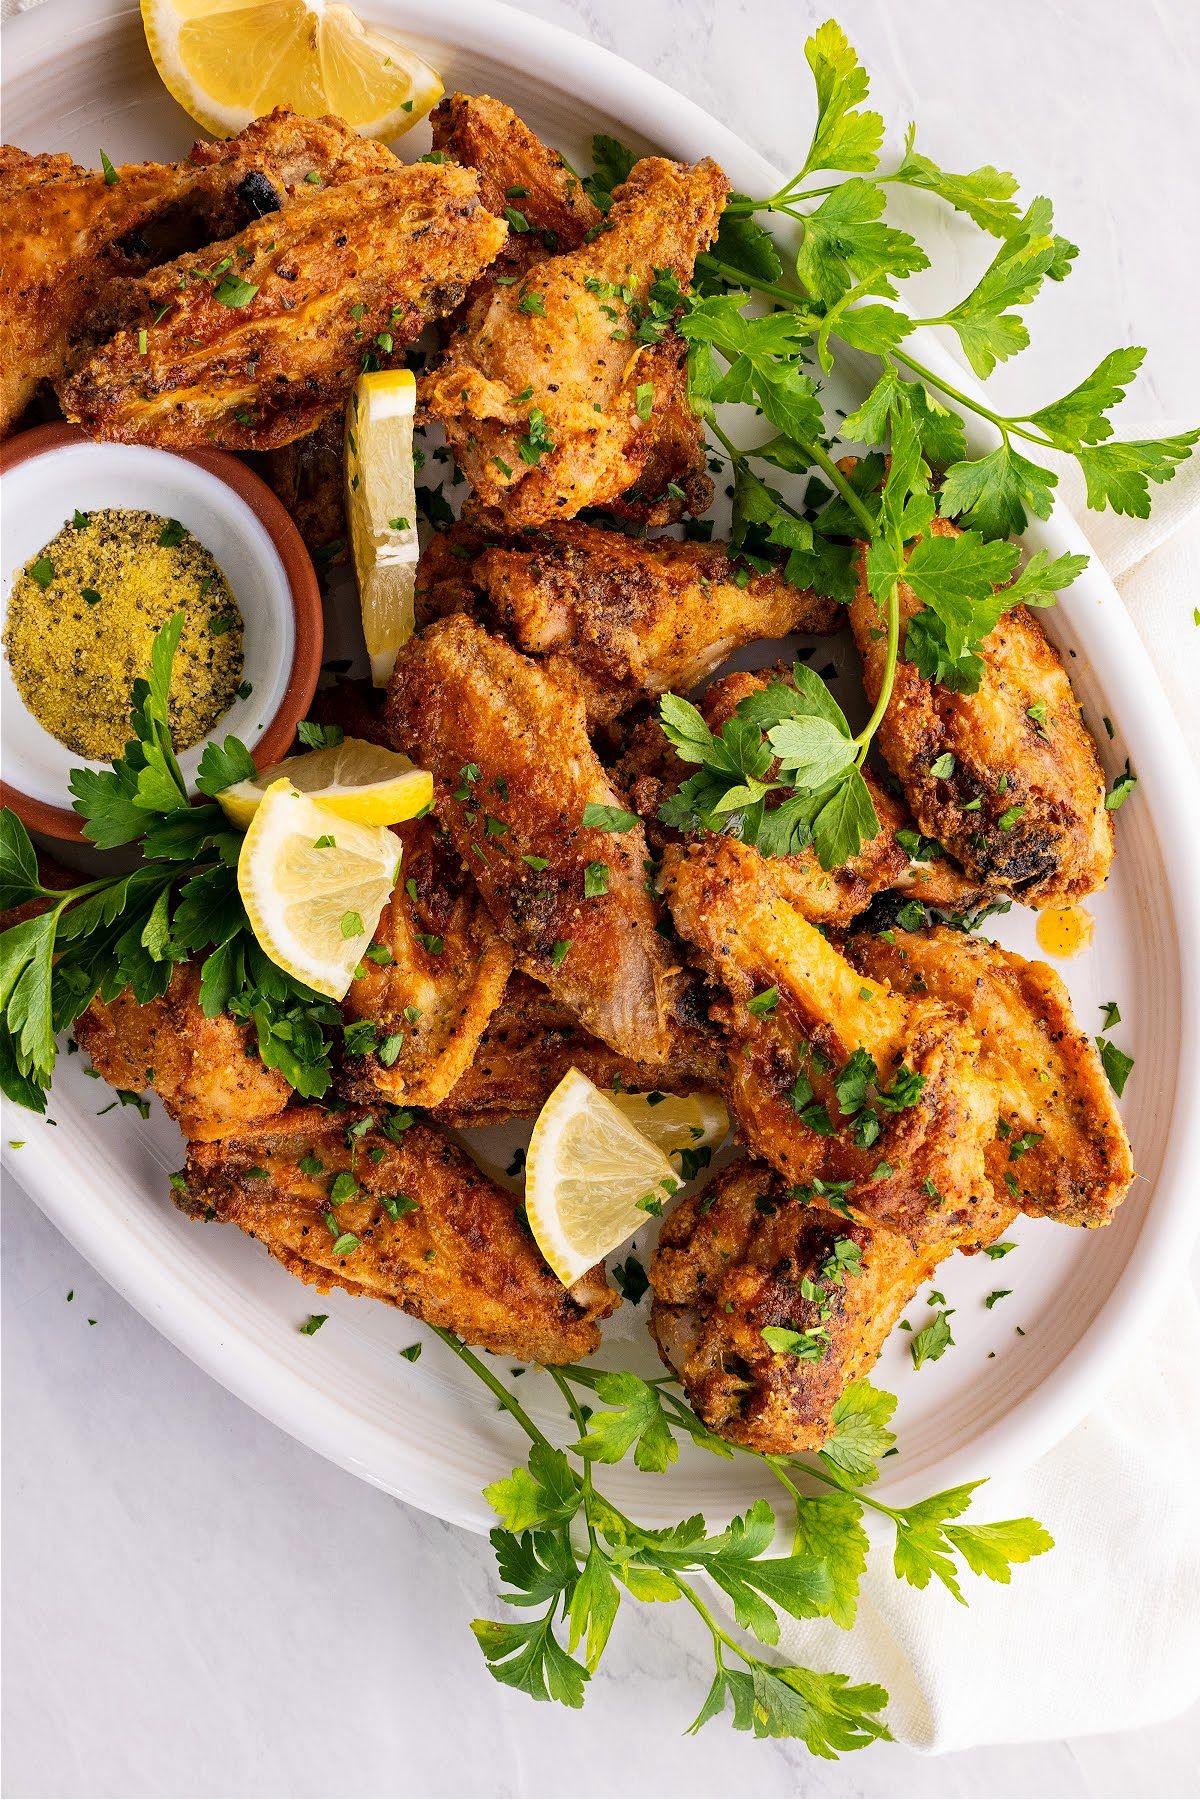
column 1048, row 1080
column 446, row 977
column 205, row 1071
column 554, row 215
column 460, row 701
column 576, row 438
column 626, row 620
column 921, row 1171
column 382, row 254
column 516, row 170
column 651, row 771
column 733, row 1260
column 67, row 234
column 458, row 1258
column 531, row 1042
column 1037, row 825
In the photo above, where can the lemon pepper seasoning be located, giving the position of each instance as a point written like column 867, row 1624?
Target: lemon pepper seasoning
column 82, row 616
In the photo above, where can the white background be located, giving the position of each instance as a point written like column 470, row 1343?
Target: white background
column 195, row 1605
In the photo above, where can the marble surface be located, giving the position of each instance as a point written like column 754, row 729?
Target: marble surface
column 195, row 1605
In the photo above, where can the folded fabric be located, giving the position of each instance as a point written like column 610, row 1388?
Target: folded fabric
column 1102, row 1634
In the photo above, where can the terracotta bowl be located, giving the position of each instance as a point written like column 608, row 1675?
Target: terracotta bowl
column 48, row 472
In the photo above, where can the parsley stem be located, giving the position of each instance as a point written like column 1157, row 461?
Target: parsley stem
column 564, row 1387
column 1004, row 426
column 712, row 265
column 823, row 461
column 498, row 1388
column 720, row 1636
column 863, row 740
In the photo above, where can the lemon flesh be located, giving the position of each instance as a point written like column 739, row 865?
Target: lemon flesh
column 677, row 1121
column 355, row 779
column 586, row 1169
column 229, row 61
column 313, row 885
column 381, row 505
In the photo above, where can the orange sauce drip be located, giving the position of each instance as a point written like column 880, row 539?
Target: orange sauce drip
column 1064, row 931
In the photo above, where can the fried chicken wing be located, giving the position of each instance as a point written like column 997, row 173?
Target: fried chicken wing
column 1061, row 1149
column 625, row 620
column 206, row 1072
column 517, row 172
column 538, row 394
column 421, row 1227
column 1023, row 807
column 431, row 1002
column 896, row 859
column 746, row 1254
column 531, row 1042
column 67, row 233
column 513, row 772
column 254, row 349
column 832, row 1077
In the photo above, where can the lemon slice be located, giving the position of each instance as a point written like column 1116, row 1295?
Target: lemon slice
column 355, row 779
column 586, row 1170
column 381, row 505
column 314, row 885
column 228, row 61
column 677, row 1121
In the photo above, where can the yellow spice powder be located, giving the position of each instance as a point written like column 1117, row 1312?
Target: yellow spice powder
column 83, row 614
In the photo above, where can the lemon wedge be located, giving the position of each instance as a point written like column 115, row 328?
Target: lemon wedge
column 381, row 505
column 313, row 885
column 591, row 1178
column 228, row 61
column 355, row 779
column 677, row 1121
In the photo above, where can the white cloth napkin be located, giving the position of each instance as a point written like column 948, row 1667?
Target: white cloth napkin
column 1102, row 1634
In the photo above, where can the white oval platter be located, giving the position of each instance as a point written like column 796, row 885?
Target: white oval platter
column 77, row 76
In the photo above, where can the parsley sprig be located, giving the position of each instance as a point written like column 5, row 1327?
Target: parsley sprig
column 128, row 930
column 567, row 1556
column 839, row 292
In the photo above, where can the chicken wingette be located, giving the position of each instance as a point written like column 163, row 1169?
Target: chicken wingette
column 746, row 1256
column 531, row 1042
column 1022, row 807
column 513, row 775
column 551, row 213
column 397, row 1215
column 68, row 234
column 897, row 860
column 623, row 619
column 430, row 981
column 1060, row 1147
column 518, row 174
column 251, row 346
column 548, row 397
column 847, row 1089
column 206, row 1072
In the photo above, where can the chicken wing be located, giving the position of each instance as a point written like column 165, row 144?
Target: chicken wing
column 531, row 1042
column 401, row 1216
column 517, row 174
column 431, row 1002
column 513, row 772
column 625, row 620
column 67, row 233
column 1062, row 1149
column 842, row 1085
column 747, row 1254
column 209, row 1077
column 548, row 400
column 253, row 350
column 896, row 860
column 1022, row 809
